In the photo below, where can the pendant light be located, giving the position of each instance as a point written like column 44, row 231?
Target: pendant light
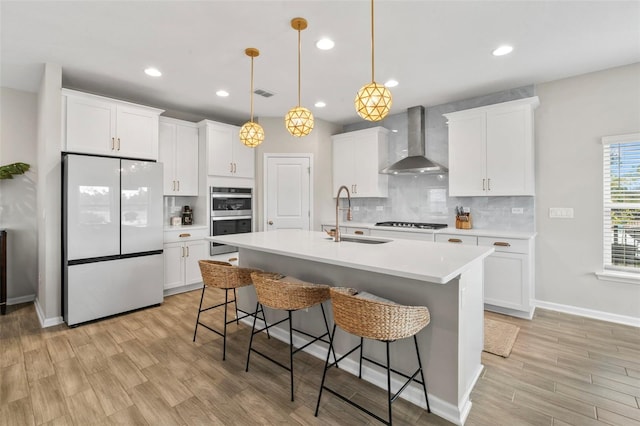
column 251, row 134
column 373, row 100
column 299, row 120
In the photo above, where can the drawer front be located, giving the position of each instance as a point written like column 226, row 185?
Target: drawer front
column 355, row 231
column 457, row 239
column 185, row 235
column 507, row 245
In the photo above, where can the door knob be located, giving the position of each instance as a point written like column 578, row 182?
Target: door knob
column 270, row 222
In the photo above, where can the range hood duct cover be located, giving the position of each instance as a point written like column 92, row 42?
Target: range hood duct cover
column 416, row 162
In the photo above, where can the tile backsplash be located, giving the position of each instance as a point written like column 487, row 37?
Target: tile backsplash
column 425, row 198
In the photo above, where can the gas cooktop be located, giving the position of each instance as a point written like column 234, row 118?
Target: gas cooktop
column 416, row 225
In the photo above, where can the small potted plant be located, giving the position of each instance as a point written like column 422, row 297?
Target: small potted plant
column 7, row 171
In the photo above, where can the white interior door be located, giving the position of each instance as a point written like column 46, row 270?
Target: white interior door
column 288, row 192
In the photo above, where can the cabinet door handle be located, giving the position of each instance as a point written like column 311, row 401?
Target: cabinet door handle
column 178, row 185
column 113, row 144
column 184, row 235
column 483, row 188
column 118, row 144
column 232, row 259
column 501, row 244
column 235, row 167
column 182, row 248
column 359, row 233
column 174, row 185
column 489, row 184
column 454, row 240
column 270, row 222
column 230, row 167
column 187, row 251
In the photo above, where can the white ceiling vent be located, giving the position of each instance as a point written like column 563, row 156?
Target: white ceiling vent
column 263, row 93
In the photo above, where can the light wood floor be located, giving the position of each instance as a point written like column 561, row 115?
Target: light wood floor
column 142, row 368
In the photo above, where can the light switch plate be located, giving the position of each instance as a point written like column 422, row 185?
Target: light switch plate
column 517, row 210
column 561, row 212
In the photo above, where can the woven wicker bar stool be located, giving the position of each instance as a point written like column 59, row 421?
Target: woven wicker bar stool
column 371, row 317
column 276, row 291
column 227, row 277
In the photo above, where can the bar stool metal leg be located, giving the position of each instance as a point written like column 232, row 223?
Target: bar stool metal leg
column 389, row 400
column 424, row 384
column 199, row 311
column 253, row 328
column 291, row 352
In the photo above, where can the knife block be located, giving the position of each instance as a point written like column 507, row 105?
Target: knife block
column 463, row 222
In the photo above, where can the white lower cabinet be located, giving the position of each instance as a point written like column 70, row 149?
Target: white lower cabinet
column 508, row 276
column 508, row 273
column 182, row 251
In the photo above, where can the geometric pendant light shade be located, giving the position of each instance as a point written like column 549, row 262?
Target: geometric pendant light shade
column 299, row 120
column 251, row 134
column 373, row 100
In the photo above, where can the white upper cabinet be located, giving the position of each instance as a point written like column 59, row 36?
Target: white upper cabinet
column 178, row 151
column 226, row 155
column 358, row 158
column 98, row 125
column 491, row 150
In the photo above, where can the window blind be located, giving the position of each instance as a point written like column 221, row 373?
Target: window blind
column 621, row 202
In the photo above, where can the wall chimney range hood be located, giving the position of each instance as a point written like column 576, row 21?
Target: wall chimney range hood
column 415, row 163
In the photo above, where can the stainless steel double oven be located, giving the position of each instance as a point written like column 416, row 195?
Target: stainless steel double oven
column 231, row 213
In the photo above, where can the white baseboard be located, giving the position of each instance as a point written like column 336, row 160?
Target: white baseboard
column 589, row 313
column 181, row 289
column 413, row 393
column 46, row 322
column 21, row 299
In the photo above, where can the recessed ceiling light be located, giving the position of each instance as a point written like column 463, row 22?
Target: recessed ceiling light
column 325, row 44
column 320, row 104
column 391, row 83
column 222, row 93
column 503, row 50
column 153, row 72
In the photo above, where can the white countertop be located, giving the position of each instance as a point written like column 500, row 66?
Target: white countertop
column 419, row 260
column 448, row 230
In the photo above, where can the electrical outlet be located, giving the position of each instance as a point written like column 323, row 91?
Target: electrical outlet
column 517, row 210
column 379, row 208
column 561, row 212
column 355, row 208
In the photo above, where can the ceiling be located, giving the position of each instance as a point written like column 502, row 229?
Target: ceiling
column 439, row 51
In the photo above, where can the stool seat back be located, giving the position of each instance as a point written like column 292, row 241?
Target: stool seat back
column 277, row 292
column 374, row 319
column 224, row 275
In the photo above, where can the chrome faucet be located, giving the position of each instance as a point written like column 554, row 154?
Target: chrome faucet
column 336, row 235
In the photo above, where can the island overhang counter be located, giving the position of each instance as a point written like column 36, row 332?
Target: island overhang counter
column 446, row 278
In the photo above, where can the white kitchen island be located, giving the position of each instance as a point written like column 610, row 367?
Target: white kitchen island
column 446, row 278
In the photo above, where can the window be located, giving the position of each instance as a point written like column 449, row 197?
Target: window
column 621, row 159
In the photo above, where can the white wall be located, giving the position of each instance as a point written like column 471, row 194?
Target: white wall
column 18, row 137
column 279, row 140
column 574, row 114
column 48, row 299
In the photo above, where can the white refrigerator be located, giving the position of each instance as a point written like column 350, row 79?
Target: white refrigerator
column 112, row 236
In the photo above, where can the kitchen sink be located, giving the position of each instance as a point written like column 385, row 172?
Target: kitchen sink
column 362, row 240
